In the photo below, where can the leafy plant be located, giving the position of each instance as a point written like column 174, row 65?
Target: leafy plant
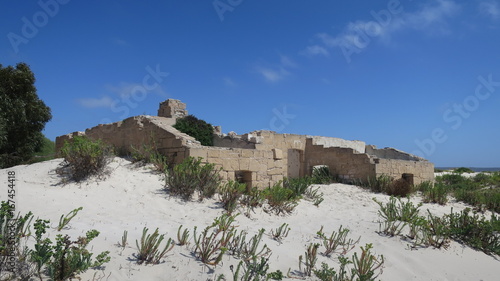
column 149, row 248
column 329, row 274
column 437, row 194
column 197, row 128
column 280, row 199
column 150, row 154
column 71, row 257
column 322, row 175
column 192, row 175
column 83, row 157
column 314, row 195
column 230, row 194
column 64, row 220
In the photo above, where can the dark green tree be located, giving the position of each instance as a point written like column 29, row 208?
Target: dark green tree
column 22, row 115
column 197, row 128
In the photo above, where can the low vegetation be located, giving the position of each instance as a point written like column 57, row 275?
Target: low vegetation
column 398, row 218
column 197, row 128
column 84, row 157
column 61, row 259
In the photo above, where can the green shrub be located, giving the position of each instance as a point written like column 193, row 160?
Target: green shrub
column 197, row 128
column 475, row 231
column 297, row 185
column 462, row 170
column 399, row 187
column 281, row 200
column 150, row 154
column 191, row 175
column 66, row 258
column 84, row 157
column 322, row 175
column 379, row 184
column 437, row 194
column 230, row 194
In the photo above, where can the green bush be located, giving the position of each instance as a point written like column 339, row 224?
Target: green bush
column 379, row 184
column 197, row 128
column 149, row 154
column 230, row 194
column 84, row 157
column 298, row 186
column 436, row 194
column 462, row 170
column 191, row 175
column 281, row 200
column 322, row 175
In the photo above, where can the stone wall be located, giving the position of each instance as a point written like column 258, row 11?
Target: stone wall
column 260, row 165
column 420, row 170
column 135, row 132
column 358, row 146
column 391, row 153
column 347, row 163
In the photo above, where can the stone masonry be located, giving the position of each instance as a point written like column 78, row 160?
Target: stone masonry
column 260, row 158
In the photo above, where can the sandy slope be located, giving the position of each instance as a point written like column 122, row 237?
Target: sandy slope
column 131, row 197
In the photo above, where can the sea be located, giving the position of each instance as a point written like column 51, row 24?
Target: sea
column 475, row 169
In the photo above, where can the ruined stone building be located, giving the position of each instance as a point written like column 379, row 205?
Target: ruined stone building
column 260, row 158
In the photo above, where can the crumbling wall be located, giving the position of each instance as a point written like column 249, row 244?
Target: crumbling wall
column 261, row 165
column 135, row 132
column 358, row 146
column 347, row 163
column 391, row 153
column 420, row 170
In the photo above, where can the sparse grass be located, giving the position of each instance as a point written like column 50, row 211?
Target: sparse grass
column 281, row 232
column 149, row 248
column 64, row 220
column 337, row 240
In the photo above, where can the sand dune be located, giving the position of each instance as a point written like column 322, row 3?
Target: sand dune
column 131, row 197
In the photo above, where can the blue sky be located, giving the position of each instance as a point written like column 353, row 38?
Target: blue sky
column 420, row 76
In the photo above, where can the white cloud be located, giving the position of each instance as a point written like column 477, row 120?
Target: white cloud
column 105, row 101
column 358, row 34
column 273, row 75
column 316, row 50
column 490, row 8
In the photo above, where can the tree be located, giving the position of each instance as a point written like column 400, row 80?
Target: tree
column 197, row 128
column 22, row 115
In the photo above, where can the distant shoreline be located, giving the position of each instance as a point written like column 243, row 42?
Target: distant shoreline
column 475, row 169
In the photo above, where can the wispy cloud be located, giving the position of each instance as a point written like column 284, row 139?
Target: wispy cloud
column 273, row 75
column 229, row 82
column 105, row 101
column 120, row 92
column 490, row 8
column 316, row 50
column 278, row 71
column 358, row 34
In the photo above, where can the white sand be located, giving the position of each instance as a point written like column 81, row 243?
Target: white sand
column 131, row 197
